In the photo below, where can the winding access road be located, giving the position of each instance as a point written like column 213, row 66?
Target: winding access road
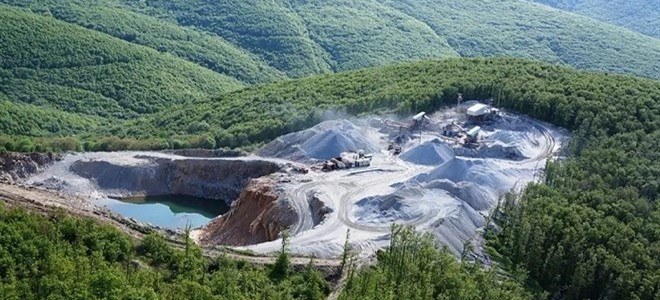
column 342, row 189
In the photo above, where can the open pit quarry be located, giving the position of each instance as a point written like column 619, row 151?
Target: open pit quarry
column 417, row 175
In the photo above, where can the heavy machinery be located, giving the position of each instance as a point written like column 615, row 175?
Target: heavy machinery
column 452, row 130
column 467, row 137
column 347, row 160
column 471, row 138
column 396, row 150
column 416, row 121
column 419, row 119
column 302, row 169
column 481, row 112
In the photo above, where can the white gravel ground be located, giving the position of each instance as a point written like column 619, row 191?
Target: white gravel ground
column 434, row 185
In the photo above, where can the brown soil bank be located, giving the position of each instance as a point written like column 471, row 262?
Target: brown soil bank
column 14, row 166
column 257, row 216
column 206, row 178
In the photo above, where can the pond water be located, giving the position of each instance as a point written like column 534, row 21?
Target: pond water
column 170, row 211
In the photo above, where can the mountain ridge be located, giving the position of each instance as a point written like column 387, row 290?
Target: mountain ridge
column 271, row 41
column 72, row 57
column 639, row 15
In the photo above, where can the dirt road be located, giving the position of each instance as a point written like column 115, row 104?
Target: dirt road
column 342, row 190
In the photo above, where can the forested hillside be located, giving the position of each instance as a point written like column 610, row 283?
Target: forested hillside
column 266, row 41
column 310, row 37
column 590, row 232
column 112, row 60
column 114, row 19
column 413, row 267
column 23, row 119
column 63, row 257
column 639, row 15
column 526, row 30
column 378, row 31
column 49, row 63
column 269, row 29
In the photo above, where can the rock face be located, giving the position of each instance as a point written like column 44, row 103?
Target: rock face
column 14, row 166
column 205, row 178
column 256, row 217
column 319, row 210
column 207, row 152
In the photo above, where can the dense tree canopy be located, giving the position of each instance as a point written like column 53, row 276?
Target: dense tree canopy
column 257, row 42
column 413, row 267
column 591, row 230
column 63, row 257
column 556, row 94
column 113, row 60
column 639, row 15
column 526, row 30
column 45, row 62
column 120, row 21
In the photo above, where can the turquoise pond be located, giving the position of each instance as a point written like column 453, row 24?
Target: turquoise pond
column 171, row 211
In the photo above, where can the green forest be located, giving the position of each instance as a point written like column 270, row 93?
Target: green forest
column 126, row 75
column 49, row 63
column 62, row 257
column 525, row 30
column 639, row 15
column 591, row 230
column 57, row 256
column 204, row 49
column 254, row 115
column 413, row 267
column 270, row 40
column 112, row 72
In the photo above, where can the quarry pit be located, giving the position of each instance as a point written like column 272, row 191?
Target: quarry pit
column 418, row 174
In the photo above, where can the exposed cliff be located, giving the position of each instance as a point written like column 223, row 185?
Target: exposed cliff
column 206, row 178
column 257, row 216
column 14, row 166
column 207, row 152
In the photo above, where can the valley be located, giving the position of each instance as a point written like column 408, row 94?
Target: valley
column 303, row 149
